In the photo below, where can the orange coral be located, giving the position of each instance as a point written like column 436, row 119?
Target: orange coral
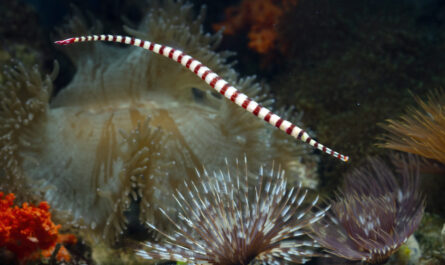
column 28, row 231
column 63, row 253
column 260, row 17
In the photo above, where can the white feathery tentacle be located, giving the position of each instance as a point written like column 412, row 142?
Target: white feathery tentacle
column 241, row 222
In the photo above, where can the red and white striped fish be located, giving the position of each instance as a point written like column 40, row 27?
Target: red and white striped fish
column 215, row 81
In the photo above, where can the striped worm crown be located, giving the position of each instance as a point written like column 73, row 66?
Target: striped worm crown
column 217, row 83
column 226, row 221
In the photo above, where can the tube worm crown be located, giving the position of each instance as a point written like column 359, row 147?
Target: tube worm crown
column 215, row 81
column 374, row 214
column 226, row 221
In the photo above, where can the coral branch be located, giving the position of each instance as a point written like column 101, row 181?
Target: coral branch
column 259, row 18
column 215, row 81
column 28, row 231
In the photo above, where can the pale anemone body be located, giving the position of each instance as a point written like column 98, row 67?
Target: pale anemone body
column 134, row 123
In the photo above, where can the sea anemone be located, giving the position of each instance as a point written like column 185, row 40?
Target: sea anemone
column 374, row 215
column 224, row 221
column 24, row 97
column 133, row 125
column 422, row 130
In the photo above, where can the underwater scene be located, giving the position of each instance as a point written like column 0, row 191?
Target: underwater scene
column 227, row 132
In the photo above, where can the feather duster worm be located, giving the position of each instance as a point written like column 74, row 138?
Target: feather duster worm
column 421, row 131
column 375, row 215
column 226, row 221
column 132, row 124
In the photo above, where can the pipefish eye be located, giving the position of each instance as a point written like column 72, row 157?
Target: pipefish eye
column 198, row 94
column 206, row 97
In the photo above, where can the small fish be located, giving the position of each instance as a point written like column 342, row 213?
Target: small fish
column 216, row 82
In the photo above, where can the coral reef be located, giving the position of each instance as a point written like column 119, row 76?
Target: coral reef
column 104, row 255
column 226, row 221
column 28, row 231
column 125, row 129
column 430, row 240
column 374, row 215
column 409, row 253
